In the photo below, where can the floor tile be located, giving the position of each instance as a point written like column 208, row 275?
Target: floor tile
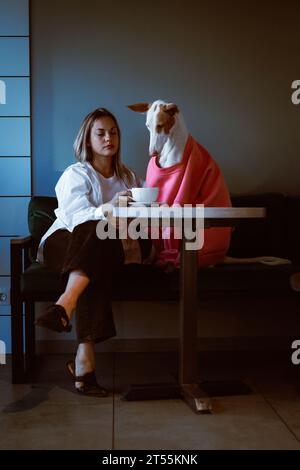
column 48, row 413
column 281, row 390
column 240, row 422
column 132, row 368
column 49, row 426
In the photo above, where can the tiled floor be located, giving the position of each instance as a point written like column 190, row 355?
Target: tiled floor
column 48, row 414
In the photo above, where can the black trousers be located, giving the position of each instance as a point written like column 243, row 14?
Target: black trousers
column 100, row 260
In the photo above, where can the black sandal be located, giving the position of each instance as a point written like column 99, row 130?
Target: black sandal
column 90, row 386
column 53, row 319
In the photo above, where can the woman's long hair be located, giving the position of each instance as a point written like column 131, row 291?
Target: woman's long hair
column 83, row 151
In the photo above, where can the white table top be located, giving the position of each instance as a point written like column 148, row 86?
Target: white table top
column 162, row 212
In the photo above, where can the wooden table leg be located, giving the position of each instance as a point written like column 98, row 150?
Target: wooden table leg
column 188, row 354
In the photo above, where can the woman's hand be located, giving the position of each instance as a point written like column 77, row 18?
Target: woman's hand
column 116, row 199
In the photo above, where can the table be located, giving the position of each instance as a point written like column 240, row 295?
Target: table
column 187, row 387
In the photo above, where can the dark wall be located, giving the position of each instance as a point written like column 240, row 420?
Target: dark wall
column 228, row 65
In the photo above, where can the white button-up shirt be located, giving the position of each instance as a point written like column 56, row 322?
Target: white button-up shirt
column 81, row 191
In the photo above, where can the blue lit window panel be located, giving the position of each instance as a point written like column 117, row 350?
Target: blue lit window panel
column 15, row 137
column 14, row 17
column 5, row 334
column 4, row 257
column 15, row 176
column 13, row 220
column 14, row 56
column 14, row 97
column 5, row 310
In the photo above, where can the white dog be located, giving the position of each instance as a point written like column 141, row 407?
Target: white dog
column 194, row 178
column 185, row 174
column 168, row 132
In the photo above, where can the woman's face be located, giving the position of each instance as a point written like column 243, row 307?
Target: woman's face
column 104, row 138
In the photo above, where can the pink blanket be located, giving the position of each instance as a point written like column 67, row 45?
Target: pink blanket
column 195, row 180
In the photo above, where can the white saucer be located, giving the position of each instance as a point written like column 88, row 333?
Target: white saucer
column 139, row 203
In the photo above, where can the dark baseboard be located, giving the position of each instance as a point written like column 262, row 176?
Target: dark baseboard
column 171, row 344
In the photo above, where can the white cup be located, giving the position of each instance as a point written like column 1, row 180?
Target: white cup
column 144, row 195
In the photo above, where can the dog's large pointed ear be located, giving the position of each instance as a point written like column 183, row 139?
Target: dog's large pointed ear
column 170, row 108
column 140, row 107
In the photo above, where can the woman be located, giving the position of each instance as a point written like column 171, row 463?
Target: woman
column 71, row 245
